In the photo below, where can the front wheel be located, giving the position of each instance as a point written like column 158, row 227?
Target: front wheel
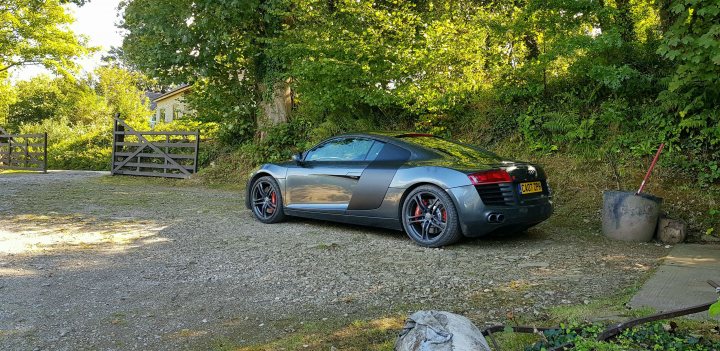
column 429, row 217
column 266, row 200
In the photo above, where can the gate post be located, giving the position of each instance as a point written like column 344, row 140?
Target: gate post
column 197, row 150
column 114, row 146
column 27, row 152
column 45, row 159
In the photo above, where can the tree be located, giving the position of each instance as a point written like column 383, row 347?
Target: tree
column 35, row 32
column 43, row 98
column 215, row 45
column 121, row 90
column 693, row 44
column 7, row 98
column 249, row 60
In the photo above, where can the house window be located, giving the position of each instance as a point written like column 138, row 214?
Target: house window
column 177, row 112
column 161, row 115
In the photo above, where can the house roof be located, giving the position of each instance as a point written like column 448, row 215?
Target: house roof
column 151, row 96
column 179, row 90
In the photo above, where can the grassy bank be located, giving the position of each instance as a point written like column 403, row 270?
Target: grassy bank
column 578, row 183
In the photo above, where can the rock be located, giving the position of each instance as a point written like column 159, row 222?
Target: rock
column 671, row 231
column 440, row 331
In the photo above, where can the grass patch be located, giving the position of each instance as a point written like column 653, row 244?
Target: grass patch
column 13, row 171
column 611, row 308
column 230, row 169
column 513, row 341
column 328, row 247
column 374, row 334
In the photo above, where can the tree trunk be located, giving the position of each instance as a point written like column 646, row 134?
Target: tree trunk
column 275, row 107
column 624, row 20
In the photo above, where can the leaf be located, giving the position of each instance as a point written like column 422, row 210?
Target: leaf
column 677, row 8
column 714, row 309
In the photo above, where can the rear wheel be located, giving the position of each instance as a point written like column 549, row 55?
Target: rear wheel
column 429, row 217
column 266, row 200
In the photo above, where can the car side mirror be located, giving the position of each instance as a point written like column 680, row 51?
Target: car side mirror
column 297, row 158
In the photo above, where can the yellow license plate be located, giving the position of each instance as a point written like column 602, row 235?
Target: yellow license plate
column 530, row 188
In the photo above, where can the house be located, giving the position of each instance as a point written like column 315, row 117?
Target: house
column 150, row 97
column 171, row 105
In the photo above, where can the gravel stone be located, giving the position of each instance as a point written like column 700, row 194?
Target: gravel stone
column 89, row 261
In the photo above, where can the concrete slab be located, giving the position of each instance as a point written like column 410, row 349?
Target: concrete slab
column 681, row 281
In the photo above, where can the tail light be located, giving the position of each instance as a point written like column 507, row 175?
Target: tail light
column 489, row 177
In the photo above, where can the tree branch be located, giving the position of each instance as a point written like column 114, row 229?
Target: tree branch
column 14, row 64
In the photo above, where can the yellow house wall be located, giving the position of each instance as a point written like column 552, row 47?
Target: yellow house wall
column 164, row 109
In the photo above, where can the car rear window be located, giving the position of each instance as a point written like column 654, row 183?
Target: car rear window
column 459, row 151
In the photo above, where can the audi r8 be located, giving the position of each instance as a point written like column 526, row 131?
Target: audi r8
column 436, row 190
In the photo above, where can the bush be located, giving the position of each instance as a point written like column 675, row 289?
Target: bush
column 651, row 336
column 77, row 147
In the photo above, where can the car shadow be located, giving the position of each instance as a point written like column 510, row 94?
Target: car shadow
column 497, row 238
column 355, row 228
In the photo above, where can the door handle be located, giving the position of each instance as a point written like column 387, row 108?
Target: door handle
column 354, row 175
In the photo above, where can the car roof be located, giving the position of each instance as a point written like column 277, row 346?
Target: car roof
column 385, row 136
column 394, row 138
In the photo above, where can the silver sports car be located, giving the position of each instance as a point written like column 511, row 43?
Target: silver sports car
column 434, row 189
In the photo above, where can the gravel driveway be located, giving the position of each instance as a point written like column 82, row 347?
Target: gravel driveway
column 89, row 261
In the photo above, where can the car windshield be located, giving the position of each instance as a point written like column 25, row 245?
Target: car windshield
column 461, row 152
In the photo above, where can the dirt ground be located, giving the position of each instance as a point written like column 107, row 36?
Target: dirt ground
column 93, row 262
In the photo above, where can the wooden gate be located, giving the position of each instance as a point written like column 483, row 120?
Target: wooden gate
column 154, row 154
column 27, row 152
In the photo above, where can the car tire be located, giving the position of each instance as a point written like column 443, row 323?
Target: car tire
column 266, row 200
column 429, row 217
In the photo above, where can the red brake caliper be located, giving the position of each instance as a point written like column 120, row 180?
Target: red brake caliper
column 444, row 215
column 273, row 199
column 418, row 212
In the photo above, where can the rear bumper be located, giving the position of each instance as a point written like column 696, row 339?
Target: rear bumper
column 473, row 214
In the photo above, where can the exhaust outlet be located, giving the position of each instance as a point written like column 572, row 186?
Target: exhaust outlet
column 496, row 218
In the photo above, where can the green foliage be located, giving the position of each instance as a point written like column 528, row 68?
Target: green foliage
column 77, row 114
column 280, row 142
column 43, row 98
column 7, row 97
column 565, row 75
column 692, row 44
column 121, row 91
column 651, row 336
column 714, row 309
column 35, row 32
column 75, row 146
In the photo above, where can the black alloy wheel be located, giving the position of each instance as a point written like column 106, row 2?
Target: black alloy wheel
column 266, row 200
column 429, row 217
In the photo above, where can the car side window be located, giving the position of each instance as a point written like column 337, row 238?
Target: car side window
column 346, row 149
column 374, row 151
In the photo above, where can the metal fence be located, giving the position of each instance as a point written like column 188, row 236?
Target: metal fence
column 154, row 154
column 27, row 152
